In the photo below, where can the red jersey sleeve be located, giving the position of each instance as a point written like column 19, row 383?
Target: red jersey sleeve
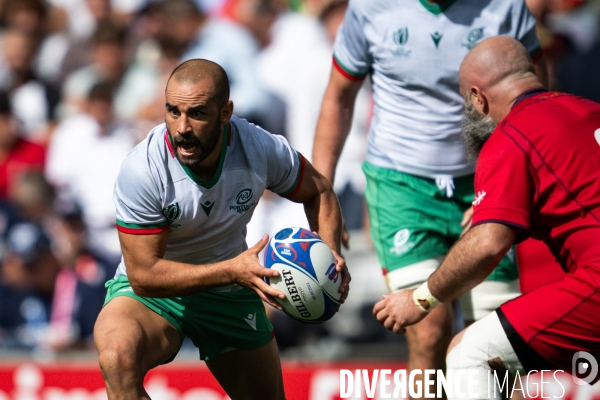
column 504, row 186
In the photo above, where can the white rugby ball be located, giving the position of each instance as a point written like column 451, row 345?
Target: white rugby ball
column 307, row 274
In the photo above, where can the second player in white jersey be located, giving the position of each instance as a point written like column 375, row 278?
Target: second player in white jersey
column 206, row 220
column 418, row 109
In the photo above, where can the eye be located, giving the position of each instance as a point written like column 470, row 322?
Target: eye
column 195, row 114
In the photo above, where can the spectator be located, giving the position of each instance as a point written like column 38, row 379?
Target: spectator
column 108, row 63
column 83, row 161
column 47, row 302
column 220, row 41
column 33, row 100
column 43, row 22
column 17, row 155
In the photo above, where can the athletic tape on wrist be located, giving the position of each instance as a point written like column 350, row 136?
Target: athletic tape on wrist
column 424, row 299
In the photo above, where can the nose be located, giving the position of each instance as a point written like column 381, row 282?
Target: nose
column 183, row 125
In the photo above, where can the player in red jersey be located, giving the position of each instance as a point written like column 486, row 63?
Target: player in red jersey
column 538, row 175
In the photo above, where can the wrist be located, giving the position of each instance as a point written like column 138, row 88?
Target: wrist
column 424, row 299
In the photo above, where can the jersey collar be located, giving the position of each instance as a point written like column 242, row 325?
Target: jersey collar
column 528, row 94
column 210, row 183
column 435, row 8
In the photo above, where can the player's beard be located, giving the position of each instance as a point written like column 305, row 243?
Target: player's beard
column 206, row 146
column 476, row 130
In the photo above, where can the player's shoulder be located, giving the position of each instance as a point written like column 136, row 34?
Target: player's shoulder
column 248, row 134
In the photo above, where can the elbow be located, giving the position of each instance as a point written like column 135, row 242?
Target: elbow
column 139, row 285
column 493, row 249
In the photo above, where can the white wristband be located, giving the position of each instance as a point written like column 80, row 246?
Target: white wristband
column 424, row 299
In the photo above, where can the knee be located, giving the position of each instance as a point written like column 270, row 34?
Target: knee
column 431, row 337
column 117, row 362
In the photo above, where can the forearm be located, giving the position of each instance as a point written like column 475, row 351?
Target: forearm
column 334, row 124
column 471, row 260
column 167, row 278
column 325, row 217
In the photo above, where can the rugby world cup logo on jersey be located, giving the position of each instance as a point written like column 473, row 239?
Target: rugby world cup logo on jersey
column 475, row 35
column 243, row 201
column 400, row 38
column 172, row 213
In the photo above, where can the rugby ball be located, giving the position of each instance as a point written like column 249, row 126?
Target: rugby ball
column 307, row 275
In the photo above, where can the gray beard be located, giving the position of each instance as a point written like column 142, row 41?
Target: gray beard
column 476, row 130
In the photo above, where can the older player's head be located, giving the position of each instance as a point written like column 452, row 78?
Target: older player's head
column 197, row 108
column 492, row 75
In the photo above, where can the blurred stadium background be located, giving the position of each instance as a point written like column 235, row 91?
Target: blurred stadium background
column 81, row 82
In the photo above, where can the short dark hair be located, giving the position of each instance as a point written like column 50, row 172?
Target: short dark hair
column 194, row 70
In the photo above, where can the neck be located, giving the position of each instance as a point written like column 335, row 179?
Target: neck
column 510, row 93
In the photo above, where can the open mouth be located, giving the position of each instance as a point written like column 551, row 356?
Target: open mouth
column 187, row 149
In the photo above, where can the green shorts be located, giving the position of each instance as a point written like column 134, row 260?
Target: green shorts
column 412, row 220
column 214, row 321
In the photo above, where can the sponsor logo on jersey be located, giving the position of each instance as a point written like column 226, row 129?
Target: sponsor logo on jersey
column 207, row 206
column 473, row 38
column 401, row 243
column 436, row 36
column 172, row 213
column 242, row 201
column 251, row 320
column 479, row 198
column 400, row 38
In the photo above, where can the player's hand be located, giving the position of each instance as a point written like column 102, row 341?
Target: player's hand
column 248, row 272
column 398, row 310
column 342, row 269
column 466, row 221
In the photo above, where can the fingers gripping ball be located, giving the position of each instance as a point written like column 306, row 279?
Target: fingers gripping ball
column 307, row 275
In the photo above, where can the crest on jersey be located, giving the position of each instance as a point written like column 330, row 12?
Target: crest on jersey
column 172, row 213
column 473, row 38
column 242, row 201
column 401, row 242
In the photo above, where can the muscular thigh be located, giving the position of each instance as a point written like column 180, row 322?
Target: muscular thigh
column 131, row 329
column 250, row 374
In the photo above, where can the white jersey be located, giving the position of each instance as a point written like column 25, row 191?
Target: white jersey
column 412, row 50
column 206, row 220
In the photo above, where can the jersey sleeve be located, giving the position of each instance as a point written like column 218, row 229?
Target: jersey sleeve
column 351, row 49
column 285, row 166
column 523, row 26
column 137, row 197
column 504, row 186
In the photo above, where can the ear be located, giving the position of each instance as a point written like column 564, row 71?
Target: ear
column 226, row 112
column 479, row 100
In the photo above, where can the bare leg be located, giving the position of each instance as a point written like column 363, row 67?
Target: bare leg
column 428, row 342
column 250, row 374
column 131, row 339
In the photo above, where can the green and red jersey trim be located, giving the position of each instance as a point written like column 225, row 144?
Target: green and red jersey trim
column 146, row 229
column 298, row 182
column 347, row 73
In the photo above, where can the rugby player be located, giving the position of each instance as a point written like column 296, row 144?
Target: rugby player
column 419, row 182
column 537, row 175
column 183, row 197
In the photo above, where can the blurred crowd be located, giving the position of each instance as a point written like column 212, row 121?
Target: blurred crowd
column 82, row 82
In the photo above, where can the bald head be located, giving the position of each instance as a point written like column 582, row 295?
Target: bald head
column 495, row 73
column 495, row 61
column 196, row 70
